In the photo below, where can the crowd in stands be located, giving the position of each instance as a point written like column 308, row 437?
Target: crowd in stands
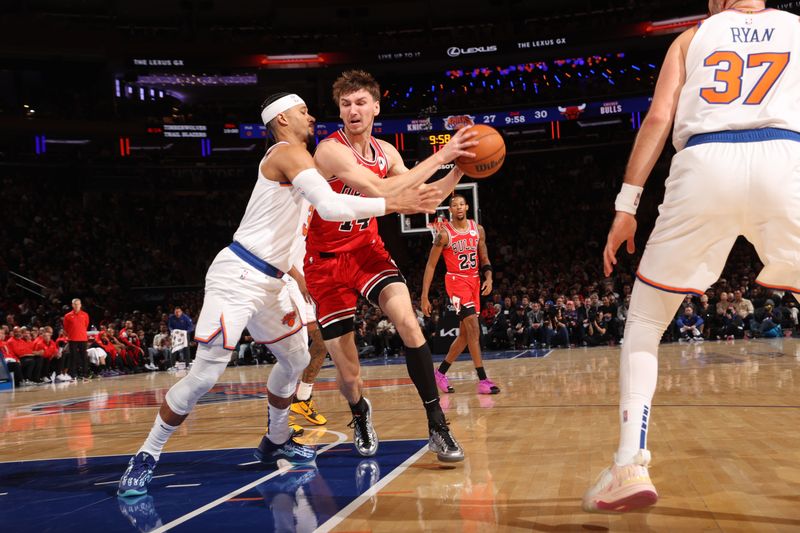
column 520, row 84
column 545, row 216
column 84, row 351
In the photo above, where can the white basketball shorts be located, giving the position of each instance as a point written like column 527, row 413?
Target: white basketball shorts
column 237, row 295
column 307, row 310
column 716, row 192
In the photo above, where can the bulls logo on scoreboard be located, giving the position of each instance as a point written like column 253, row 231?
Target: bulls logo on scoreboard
column 572, row 112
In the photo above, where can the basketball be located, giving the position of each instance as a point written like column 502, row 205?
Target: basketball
column 489, row 154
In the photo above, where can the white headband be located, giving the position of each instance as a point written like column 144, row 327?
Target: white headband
column 279, row 106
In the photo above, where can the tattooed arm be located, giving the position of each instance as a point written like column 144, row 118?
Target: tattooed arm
column 483, row 254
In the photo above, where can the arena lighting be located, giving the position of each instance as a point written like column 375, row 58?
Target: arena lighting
column 41, row 144
column 292, row 59
column 600, row 123
column 249, row 148
column 673, row 25
column 68, row 141
column 195, row 79
column 146, row 147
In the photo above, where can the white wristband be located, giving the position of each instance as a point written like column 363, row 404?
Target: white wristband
column 628, row 198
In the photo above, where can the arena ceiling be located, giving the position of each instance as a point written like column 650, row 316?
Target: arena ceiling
column 315, row 16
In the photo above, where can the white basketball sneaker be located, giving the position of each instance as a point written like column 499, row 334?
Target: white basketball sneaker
column 622, row 488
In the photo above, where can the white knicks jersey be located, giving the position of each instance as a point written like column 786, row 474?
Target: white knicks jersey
column 742, row 72
column 298, row 252
column 271, row 222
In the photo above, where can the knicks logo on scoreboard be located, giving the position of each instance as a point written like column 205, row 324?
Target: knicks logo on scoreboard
column 454, row 122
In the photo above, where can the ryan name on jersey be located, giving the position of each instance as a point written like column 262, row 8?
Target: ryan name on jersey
column 751, row 35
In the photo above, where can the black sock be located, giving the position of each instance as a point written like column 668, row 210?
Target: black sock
column 444, row 367
column 481, row 372
column 359, row 408
column 420, row 369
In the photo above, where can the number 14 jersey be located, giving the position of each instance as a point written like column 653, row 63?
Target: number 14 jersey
column 327, row 236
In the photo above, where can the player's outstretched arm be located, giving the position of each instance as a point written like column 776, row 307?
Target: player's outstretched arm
column 334, row 159
column 486, row 265
column 297, row 165
column 439, row 242
column 647, row 148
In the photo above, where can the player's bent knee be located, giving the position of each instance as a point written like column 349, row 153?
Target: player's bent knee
column 293, row 358
column 183, row 396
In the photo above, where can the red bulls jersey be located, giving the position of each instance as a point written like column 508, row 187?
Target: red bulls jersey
column 326, row 236
column 461, row 253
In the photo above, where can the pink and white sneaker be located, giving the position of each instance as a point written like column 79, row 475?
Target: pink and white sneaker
column 620, row 489
column 487, row 386
column 442, row 382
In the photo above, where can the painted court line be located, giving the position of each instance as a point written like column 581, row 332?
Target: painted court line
column 529, row 351
column 3, row 494
column 219, row 501
column 183, row 486
column 117, row 480
column 336, row 519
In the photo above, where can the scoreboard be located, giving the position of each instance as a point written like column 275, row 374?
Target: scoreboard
column 502, row 119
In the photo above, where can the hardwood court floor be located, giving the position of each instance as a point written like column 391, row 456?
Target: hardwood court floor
column 724, row 436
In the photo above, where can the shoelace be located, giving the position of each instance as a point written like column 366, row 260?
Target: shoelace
column 362, row 428
column 444, row 431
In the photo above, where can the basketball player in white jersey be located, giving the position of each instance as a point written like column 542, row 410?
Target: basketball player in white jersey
column 244, row 288
column 732, row 88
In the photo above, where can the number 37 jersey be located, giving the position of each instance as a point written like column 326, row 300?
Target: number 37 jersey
column 742, row 72
column 327, row 236
column 461, row 253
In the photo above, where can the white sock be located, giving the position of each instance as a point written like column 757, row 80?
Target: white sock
column 157, row 438
column 278, row 428
column 651, row 311
column 304, row 391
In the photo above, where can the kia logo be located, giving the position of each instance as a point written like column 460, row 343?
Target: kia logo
column 455, row 51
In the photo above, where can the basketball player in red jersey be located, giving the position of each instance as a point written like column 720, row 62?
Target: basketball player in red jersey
column 462, row 242
column 345, row 259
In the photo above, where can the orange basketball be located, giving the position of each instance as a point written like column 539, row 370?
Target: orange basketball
column 489, row 154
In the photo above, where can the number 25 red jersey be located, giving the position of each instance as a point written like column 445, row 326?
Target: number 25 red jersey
column 327, row 236
column 461, row 253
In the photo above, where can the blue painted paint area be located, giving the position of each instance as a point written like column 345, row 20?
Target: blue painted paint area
column 487, row 356
column 79, row 495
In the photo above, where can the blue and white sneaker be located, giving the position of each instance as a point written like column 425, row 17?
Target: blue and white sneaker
column 140, row 512
column 137, row 477
column 291, row 451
